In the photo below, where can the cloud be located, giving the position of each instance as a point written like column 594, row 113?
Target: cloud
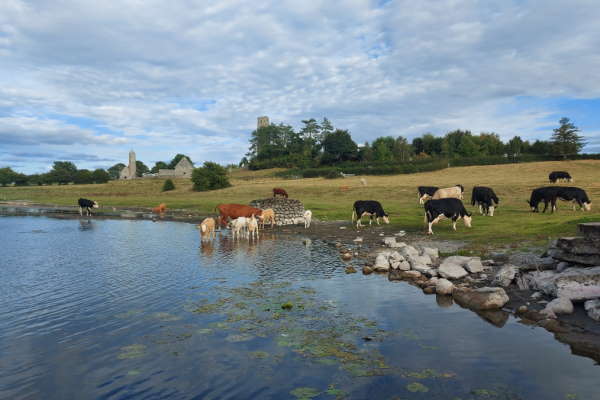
column 155, row 76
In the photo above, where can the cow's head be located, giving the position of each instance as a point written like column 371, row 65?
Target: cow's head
column 587, row 206
column 95, row 205
column 532, row 205
column 467, row 220
column 386, row 218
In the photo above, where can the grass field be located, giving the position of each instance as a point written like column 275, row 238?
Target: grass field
column 333, row 199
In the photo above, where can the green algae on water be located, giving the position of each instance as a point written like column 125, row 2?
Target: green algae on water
column 132, row 351
column 305, row 393
column 417, row 387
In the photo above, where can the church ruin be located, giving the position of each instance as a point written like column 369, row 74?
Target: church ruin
column 129, row 172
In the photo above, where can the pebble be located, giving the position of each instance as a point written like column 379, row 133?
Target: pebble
column 367, row 270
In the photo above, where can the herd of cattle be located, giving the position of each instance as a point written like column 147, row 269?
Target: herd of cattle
column 438, row 203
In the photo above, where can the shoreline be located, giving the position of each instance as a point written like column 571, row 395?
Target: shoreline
column 580, row 332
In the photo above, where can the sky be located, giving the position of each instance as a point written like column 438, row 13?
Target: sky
column 87, row 81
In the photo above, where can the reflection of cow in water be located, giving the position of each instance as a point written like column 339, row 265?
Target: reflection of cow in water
column 280, row 192
column 206, row 247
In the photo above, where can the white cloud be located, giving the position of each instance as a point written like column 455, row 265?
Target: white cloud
column 189, row 72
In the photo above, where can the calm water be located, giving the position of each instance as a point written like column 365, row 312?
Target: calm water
column 135, row 309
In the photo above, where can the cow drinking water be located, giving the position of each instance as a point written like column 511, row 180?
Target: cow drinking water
column 234, row 211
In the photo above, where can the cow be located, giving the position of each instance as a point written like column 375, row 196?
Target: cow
column 268, row 215
column 371, row 208
column 426, row 191
column 234, row 211
column 455, row 192
column 438, row 209
column 485, row 198
column 307, row 218
column 207, row 228
column 252, row 226
column 576, row 195
column 161, row 209
column 557, row 176
column 280, row 192
column 238, row 227
column 547, row 194
column 87, row 204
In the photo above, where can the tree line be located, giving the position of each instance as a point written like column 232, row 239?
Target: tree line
column 320, row 144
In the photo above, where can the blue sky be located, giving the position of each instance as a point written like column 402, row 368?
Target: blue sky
column 87, row 81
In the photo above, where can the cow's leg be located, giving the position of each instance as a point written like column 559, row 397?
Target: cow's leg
column 453, row 223
column 80, row 211
column 377, row 219
column 545, row 205
column 429, row 231
column 491, row 211
column 480, row 209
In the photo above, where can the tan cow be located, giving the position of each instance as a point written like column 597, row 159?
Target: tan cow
column 267, row 215
column 207, row 229
column 252, row 225
column 454, row 192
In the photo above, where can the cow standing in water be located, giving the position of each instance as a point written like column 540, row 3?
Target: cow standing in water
column 234, row 211
column 87, row 204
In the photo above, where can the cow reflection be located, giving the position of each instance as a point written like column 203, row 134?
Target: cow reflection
column 207, row 248
column 85, row 225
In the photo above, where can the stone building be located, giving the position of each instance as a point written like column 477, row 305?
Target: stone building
column 262, row 122
column 183, row 169
column 129, row 172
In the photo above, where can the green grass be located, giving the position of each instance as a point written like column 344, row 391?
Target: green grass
column 512, row 223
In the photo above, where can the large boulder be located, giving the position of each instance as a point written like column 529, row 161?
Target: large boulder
column 485, row 298
column 474, row 265
column 433, row 253
column 560, row 305
column 450, row 269
column 444, row 287
column 505, row 275
column 381, row 263
column 593, row 309
column 575, row 284
column 409, row 251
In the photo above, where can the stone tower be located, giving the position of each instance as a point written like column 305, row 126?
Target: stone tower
column 129, row 172
column 262, row 122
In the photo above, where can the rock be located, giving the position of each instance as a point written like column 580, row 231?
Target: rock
column 389, row 241
column 536, row 295
column 350, row 270
column 408, row 251
column 561, row 266
column 578, row 283
column 434, row 280
column 474, row 265
column 367, row 270
column 497, row 318
column 429, row 290
column 346, row 256
column 483, row 276
column 486, row 298
column 358, row 240
column 306, row 242
column 410, row 274
column 522, row 309
column 443, row 301
column 560, row 305
column 552, row 325
column 400, row 234
column 505, row 275
column 590, row 230
column 450, row 270
column 528, row 261
column 592, row 307
column 444, row 286
column 431, row 252
column 401, row 265
column 488, row 262
column 424, row 269
column 424, row 259
column 381, row 263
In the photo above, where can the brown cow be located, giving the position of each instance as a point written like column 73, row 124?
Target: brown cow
column 279, row 191
column 161, row 209
column 234, row 211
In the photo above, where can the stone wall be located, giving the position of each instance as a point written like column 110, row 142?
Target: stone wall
column 287, row 211
column 579, row 251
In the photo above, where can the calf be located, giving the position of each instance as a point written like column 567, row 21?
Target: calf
column 371, row 208
column 87, row 204
column 267, row 215
column 280, row 192
column 238, row 227
column 307, row 218
column 252, row 226
column 426, row 191
column 234, row 211
column 436, row 210
column 455, row 192
column 557, row 176
column 576, row 195
column 207, row 228
column 485, row 198
column 547, row 194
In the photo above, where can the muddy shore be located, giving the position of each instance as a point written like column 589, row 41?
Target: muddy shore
column 581, row 333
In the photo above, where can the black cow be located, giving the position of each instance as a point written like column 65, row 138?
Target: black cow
column 486, row 199
column 426, row 191
column 547, row 194
column 88, row 205
column 557, row 176
column 371, row 208
column 452, row 208
column 576, row 195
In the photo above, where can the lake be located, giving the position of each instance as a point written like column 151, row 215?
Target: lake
column 117, row 309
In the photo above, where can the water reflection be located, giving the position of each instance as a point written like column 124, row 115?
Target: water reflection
column 86, row 225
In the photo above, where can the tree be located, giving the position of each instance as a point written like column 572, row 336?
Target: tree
column 168, row 185
column 541, row 147
column 489, row 144
column 402, row 149
column 514, row 146
column 62, row 172
column 339, row 146
column 7, row 176
column 209, row 177
column 383, row 148
column 115, row 170
column 467, row 147
column 418, row 145
column 432, row 145
column 140, row 168
column 159, row 165
column 326, row 127
column 365, row 153
column 176, row 160
column 565, row 140
column 83, row 176
column 100, row 176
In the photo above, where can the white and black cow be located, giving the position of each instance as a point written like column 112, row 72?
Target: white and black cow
column 436, row 210
column 425, row 192
column 87, row 204
column 557, row 176
column 576, row 195
column 547, row 194
column 369, row 208
column 486, row 199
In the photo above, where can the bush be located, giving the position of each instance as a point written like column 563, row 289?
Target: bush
column 168, row 185
column 210, row 177
column 332, row 174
